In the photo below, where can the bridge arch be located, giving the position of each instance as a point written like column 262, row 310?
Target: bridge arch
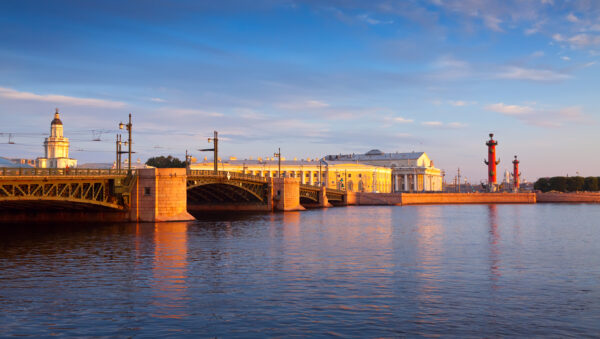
column 226, row 192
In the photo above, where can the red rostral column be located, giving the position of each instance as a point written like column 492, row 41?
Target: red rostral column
column 491, row 162
column 516, row 174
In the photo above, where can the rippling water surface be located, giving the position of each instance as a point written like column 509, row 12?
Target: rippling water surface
column 506, row 270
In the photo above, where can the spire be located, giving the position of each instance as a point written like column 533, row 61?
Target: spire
column 56, row 120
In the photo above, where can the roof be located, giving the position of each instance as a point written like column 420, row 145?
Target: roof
column 56, row 120
column 5, row 162
column 375, row 155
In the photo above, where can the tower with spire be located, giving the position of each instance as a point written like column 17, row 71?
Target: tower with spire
column 56, row 147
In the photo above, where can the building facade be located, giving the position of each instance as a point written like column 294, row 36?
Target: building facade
column 56, row 147
column 354, row 177
column 411, row 172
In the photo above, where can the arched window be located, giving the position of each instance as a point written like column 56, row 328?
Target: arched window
column 350, row 186
column 361, row 186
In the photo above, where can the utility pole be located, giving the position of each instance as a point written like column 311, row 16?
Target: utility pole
column 278, row 155
column 215, row 150
column 118, row 151
column 129, row 142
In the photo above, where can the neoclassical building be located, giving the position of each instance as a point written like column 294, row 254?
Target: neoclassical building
column 354, row 177
column 56, row 147
column 411, row 172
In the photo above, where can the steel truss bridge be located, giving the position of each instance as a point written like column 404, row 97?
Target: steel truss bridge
column 64, row 189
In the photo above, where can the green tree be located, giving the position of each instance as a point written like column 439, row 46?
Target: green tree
column 591, row 184
column 558, row 184
column 542, row 184
column 165, row 162
column 575, row 184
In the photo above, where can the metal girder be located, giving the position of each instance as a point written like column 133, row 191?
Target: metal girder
column 85, row 191
column 257, row 189
column 309, row 194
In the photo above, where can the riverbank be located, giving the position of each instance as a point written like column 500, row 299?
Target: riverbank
column 439, row 198
column 573, row 197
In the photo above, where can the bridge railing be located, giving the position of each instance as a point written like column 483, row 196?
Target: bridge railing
column 226, row 174
column 12, row 171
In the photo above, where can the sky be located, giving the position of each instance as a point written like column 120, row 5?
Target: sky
column 312, row 77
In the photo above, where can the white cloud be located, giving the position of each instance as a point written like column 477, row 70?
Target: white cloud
column 439, row 124
column 402, row 120
column 520, row 73
column 509, row 109
column 579, row 40
column 537, row 54
column 371, row 21
column 572, row 18
column 9, row 93
column 181, row 112
column 157, row 100
column 308, row 104
column 492, row 23
column 565, row 58
column 461, row 103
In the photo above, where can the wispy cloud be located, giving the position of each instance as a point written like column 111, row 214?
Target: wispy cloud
column 400, row 120
column 372, row 21
column 509, row 109
column 579, row 40
column 439, row 124
column 158, row 100
column 521, row 73
column 9, row 93
column 542, row 117
column 300, row 105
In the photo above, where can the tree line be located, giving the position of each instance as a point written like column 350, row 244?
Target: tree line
column 567, row 184
column 165, row 162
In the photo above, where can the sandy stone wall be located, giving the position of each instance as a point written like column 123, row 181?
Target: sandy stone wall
column 362, row 198
column 286, row 194
column 160, row 195
column 583, row 197
column 468, row 198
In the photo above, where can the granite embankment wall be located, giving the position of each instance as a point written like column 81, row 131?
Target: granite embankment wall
column 439, row 198
column 468, row 198
column 583, row 197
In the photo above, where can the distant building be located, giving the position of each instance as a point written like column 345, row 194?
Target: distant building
column 411, row 172
column 339, row 175
column 17, row 163
column 56, row 147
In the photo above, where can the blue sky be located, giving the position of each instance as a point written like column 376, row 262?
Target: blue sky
column 311, row 77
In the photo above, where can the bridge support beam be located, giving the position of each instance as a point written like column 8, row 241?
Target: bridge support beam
column 323, row 201
column 286, row 194
column 160, row 194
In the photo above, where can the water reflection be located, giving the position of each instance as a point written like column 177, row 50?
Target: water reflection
column 494, row 240
column 170, row 269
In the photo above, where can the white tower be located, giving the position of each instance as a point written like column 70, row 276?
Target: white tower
column 56, row 147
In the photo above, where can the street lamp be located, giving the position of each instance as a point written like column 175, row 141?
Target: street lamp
column 278, row 155
column 215, row 150
column 129, row 142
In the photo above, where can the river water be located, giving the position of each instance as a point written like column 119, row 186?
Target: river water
column 462, row 270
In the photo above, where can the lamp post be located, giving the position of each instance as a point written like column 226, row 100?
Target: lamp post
column 129, row 141
column 215, row 150
column 278, row 155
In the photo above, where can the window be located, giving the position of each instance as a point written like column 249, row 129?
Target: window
column 349, row 175
column 147, row 191
column 360, row 175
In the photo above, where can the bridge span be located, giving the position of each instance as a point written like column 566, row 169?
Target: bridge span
column 148, row 194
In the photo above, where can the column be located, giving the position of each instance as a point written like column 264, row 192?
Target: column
column 405, row 183
column 310, row 178
column 302, row 179
column 396, row 186
column 415, row 185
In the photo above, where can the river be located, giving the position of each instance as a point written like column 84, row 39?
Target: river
column 457, row 270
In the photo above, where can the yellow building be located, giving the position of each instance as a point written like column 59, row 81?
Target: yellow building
column 339, row 175
column 411, row 172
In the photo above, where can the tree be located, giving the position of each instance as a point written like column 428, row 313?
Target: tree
column 165, row 162
column 542, row 184
column 591, row 184
column 558, row 184
column 575, row 184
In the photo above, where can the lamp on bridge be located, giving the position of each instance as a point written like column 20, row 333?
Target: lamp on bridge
column 129, row 142
column 278, row 155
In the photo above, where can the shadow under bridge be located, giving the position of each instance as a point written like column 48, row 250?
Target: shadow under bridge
column 223, row 190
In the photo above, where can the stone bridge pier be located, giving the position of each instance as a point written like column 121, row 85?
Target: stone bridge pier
column 159, row 194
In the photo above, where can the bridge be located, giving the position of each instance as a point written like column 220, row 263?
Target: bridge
column 151, row 194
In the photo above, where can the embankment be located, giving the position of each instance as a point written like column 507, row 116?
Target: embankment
column 558, row 197
column 440, row 198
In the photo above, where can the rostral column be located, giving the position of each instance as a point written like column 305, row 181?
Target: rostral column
column 491, row 162
column 516, row 174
